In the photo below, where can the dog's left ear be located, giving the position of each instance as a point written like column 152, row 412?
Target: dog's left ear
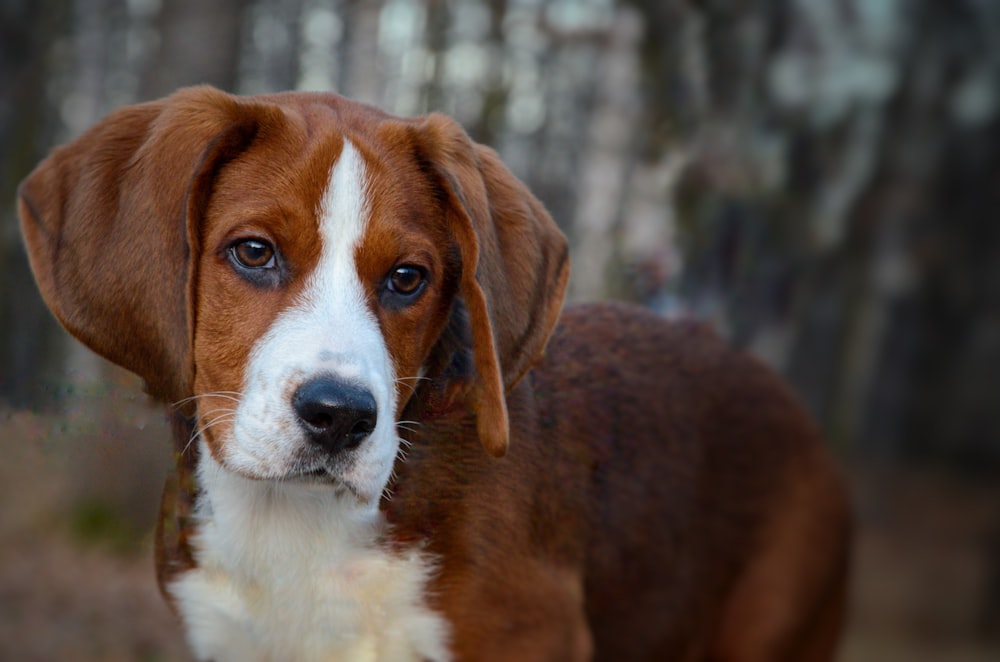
column 111, row 222
column 515, row 267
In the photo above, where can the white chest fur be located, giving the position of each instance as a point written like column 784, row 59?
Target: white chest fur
column 295, row 572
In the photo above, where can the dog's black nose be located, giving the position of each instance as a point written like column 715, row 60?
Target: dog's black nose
column 337, row 415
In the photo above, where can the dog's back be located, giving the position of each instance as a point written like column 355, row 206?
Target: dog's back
column 716, row 520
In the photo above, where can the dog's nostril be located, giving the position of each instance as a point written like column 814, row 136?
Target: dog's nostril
column 336, row 415
column 360, row 431
column 364, row 426
column 318, row 419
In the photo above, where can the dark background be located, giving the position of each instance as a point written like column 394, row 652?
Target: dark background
column 819, row 178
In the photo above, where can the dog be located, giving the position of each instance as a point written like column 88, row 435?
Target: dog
column 392, row 442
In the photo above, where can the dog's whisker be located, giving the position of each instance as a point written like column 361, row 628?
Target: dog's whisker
column 186, row 400
column 413, row 387
column 223, row 415
column 235, row 396
column 387, row 493
column 216, row 410
column 218, row 415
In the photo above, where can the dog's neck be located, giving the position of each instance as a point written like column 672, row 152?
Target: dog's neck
column 288, row 570
column 261, row 525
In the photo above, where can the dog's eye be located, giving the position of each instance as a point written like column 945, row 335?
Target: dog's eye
column 257, row 262
column 406, row 280
column 253, row 254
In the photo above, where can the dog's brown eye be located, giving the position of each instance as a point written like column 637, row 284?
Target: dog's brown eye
column 406, row 280
column 253, row 254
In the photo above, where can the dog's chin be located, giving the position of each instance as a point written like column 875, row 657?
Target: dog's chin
column 318, row 477
column 322, row 478
column 356, row 477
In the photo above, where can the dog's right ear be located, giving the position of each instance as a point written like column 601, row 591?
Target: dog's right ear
column 111, row 226
column 515, row 266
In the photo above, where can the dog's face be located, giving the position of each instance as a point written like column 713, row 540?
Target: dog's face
column 297, row 266
column 316, row 310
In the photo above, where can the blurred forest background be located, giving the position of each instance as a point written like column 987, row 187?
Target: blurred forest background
column 820, row 178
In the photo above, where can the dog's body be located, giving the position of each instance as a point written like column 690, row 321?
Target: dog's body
column 346, row 308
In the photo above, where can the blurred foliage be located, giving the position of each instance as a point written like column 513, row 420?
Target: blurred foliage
column 97, row 522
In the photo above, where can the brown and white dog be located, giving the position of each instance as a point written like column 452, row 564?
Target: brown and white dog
column 344, row 308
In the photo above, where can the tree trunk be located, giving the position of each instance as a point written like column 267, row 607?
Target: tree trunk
column 199, row 43
column 31, row 343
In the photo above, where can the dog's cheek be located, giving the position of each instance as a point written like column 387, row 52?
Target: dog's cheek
column 228, row 320
column 404, row 352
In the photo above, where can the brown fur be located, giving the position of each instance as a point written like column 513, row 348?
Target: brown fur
column 663, row 497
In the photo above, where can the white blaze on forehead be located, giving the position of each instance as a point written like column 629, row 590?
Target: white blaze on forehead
column 329, row 330
column 343, row 212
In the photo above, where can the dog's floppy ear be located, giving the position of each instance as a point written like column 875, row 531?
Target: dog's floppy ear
column 109, row 223
column 514, row 268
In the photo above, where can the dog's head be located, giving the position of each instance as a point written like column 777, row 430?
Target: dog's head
column 294, row 265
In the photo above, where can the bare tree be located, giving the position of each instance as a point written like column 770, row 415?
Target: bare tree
column 31, row 344
column 199, row 43
column 361, row 76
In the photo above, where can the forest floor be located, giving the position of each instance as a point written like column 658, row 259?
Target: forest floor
column 79, row 495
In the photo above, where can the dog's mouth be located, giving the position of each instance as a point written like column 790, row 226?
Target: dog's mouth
column 319, row 474
column 341, row 475
column 315, row 475
column 322, row 477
